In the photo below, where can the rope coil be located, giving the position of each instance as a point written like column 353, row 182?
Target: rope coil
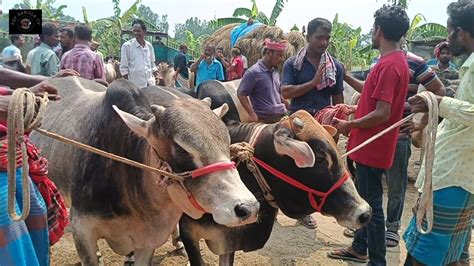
column 25, row 113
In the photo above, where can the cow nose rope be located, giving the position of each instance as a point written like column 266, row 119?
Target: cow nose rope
column 424, row 207
column 25, row 113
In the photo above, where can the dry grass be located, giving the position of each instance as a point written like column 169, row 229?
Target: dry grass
column 252, row 43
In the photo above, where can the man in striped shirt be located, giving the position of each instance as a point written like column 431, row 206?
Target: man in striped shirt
column 81, row 58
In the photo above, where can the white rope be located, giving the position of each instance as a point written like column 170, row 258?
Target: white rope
column 378, row 135
column 425, row 205
column 25, row 112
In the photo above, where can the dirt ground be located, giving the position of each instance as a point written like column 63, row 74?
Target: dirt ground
column 289, row 244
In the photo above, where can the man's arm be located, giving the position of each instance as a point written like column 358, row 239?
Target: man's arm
column 356, row 84
column 246, row 87
column 436, row 87
column 294, row 91
column 194, row 66
column 99, row 72
column 53, row 65
column 337, row 99
column 338, row 90
column 154, row 69
column 248, row 107
column 16, row 79
column 461, row 112
column 124, row 62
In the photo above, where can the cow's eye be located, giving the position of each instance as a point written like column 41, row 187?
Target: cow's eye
column 179, row 149
column 320, row 159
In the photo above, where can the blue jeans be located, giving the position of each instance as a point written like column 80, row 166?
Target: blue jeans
column 371, row 237
column 397, row 178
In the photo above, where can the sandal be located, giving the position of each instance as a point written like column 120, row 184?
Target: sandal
column 347, row 254
column 309, row 222
column 349, row 233
column 392, row 239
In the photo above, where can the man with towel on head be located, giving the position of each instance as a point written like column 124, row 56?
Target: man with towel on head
column 261, row 84
column 313, row 79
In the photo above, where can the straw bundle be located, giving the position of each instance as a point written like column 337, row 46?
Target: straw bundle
column 252, row 43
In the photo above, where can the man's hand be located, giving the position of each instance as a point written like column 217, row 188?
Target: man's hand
column 43, row 87
column 66, row 73
column 175, row 76
column 418, row 105
column 253, row 117
column 342, row 126
column 350, row 109
column 407, row 127
column 203, row 56
column 318, row 76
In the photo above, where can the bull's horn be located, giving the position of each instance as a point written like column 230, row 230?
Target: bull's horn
column 157, row 109
column 298, row 123
column 207, row 100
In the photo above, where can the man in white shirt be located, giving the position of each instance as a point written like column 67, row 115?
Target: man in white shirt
column 137, row 62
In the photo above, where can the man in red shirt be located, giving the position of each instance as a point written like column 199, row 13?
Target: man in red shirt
column 236, row 67
column 381, row 105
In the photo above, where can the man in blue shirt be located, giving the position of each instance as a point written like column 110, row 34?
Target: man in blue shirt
column 313, row 78
column 13, row 50
column 207, row 67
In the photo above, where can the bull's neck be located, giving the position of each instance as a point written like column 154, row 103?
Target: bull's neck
column 242, row 132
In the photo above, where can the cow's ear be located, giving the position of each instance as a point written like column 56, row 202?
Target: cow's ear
column 331, row 130
column 137, row 125
column 221, row 111
column 299, row 151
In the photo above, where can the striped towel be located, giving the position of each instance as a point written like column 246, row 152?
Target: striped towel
column 326, row 115
column 326, row 66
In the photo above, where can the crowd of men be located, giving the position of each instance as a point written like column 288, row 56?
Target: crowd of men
column 313, row 80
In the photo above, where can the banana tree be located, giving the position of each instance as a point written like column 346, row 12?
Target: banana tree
column 420, row 29
column 49, row 12
column 108, row 30
column 252, row 13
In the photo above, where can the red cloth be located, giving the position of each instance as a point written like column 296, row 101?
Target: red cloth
column 238, row 70
column 439, row 47
column 325, row 115
column 275, row 46
column 388, row 82
column 38, row 170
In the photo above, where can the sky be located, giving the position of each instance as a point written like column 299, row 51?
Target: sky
column 354, row 12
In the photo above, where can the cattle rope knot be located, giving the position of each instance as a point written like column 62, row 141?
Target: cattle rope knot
column 25, row 113
column 241, row 152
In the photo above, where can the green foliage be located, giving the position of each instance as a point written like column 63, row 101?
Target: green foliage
column 108, row 30
column 420, row 29
column 402, row 3
column 196, row 26
column 349, row 46
column 161, row 23
column 252, row 13
column 295, row 28
column 49, row 11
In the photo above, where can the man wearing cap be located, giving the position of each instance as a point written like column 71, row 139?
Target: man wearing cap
column 445, row 69
column 261, row 84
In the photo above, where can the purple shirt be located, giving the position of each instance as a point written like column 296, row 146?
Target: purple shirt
column 262, row 85
column 82, row 59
